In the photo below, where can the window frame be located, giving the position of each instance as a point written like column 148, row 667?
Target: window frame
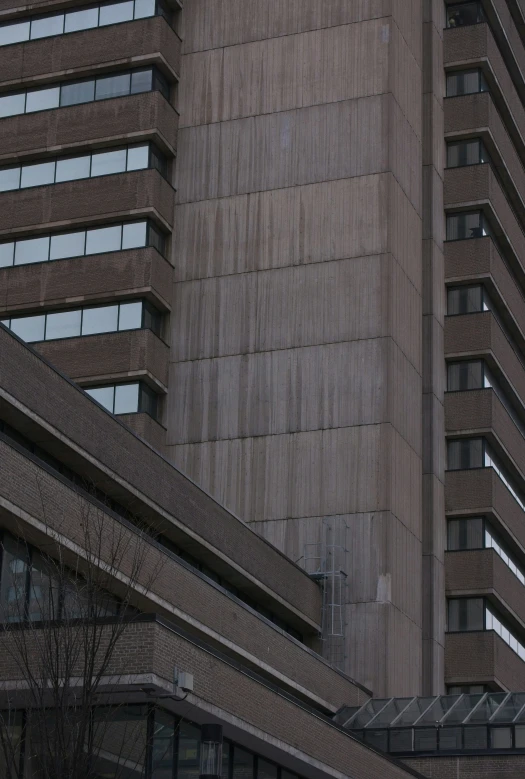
column 482, row 81
column 151, row 229
column 147, row 309
column 484, row 225
column 31, row 552
column 156, row 161
column 159, row 83
column 481, row 14
column 484, row 157
column 143, row 389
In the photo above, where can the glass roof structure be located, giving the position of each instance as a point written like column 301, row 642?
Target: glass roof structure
column 453, row 724
column 482, row 708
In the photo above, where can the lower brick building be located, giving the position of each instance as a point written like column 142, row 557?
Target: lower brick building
column 209, row 598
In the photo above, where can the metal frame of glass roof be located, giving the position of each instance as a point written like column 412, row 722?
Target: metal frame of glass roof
column 479, row 708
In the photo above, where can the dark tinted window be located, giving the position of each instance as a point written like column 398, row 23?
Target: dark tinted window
column 465, row 82
column 112, row 86
column 80, row 92
column 467, row 375
column 466, row 300
column 466, row 614
column 466, row 225
column 461, row 14
column 466, row 534
column 470, row 152
column 465, row 453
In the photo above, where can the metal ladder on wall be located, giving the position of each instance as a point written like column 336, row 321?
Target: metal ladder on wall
column 325, row 562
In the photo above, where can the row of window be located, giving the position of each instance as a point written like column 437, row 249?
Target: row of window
column 151, row 743
column 137, row 315
column 476, row 533
column 132, row 398
column 119, row 509
column 101, row 15
column 85, row 166
column 475, row 614
column 79, row 243
column 71, row 93
column 466, row 689
column 469, row 453
column 33, row 589
column 458, row 738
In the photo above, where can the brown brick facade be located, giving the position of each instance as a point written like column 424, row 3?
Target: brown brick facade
column 93, row 279
column 120, row 197
column 478, row 260
column 476, row 186
column 481, row 491
column 145, row 41
column 480, row 335
column 148, row 115
column 147, row 428
column 482, row 658
column 116, row 355
column 473, row 46
column 481, row 412
column 221, row 684
column 483, row 572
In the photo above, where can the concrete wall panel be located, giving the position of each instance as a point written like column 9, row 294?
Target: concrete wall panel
column 299, row 225
column 212, row 24
column 292, row 71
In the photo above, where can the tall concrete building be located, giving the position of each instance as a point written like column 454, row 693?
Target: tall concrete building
column 283, row 241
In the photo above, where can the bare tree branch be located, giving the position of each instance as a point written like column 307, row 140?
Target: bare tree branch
column 66, row 608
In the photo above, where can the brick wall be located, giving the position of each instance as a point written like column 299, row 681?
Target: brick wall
column 86, row 50
column 97, row 277
column 88, row 201
column 109, row 354
column 145, row 115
